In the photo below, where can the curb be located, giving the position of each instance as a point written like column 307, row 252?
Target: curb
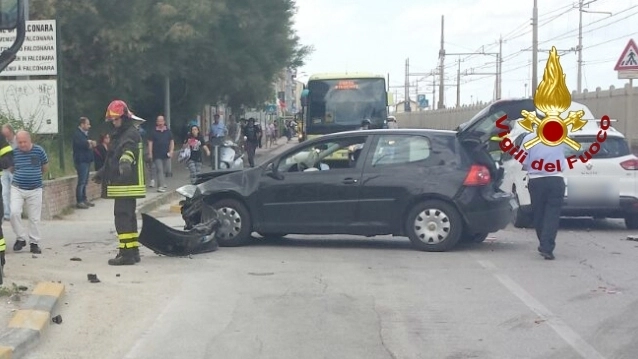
column 28, row 324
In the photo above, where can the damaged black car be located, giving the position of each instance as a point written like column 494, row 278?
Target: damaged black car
column 434, row 187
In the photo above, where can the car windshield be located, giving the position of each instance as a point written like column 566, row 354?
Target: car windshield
column 612, row 147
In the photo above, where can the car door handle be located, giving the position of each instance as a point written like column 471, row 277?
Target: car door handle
column 350, row 181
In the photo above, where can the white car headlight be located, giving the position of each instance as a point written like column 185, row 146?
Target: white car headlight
column 188, row 191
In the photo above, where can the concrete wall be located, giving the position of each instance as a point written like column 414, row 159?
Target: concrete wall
column 612, row 102
column 59, row 194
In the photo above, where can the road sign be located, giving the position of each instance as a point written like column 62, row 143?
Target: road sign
column 423, row 102
column 271, row 108
column 627, row 65
column 37, row 56
column 33, row 101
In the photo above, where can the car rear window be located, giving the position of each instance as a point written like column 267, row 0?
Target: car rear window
column 612, row 147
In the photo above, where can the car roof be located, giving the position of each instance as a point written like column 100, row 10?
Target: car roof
column 404, row 131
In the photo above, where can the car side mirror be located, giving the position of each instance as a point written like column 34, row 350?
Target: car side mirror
column 273, row 172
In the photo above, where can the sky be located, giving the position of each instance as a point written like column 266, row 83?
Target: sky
column 379, row 35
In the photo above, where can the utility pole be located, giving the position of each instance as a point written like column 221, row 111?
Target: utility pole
column 433, row 91
column 442, row 66
column 499, row 69
column 581, row 9
column 458, row 84
column 535, row 47
column 406, row 103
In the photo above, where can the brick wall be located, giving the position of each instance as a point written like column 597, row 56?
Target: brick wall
column 59, row 194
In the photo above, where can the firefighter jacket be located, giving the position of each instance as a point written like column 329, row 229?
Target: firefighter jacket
column 6, row 154
column 125, row 150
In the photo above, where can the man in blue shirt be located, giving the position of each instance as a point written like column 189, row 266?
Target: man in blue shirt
column 30, row 162
column 544, row 165
column 216, row 137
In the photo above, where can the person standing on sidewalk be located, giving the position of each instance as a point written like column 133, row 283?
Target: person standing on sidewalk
column 161, row 147
column 10, row 136
column 6, row 163
column 546, row 190
column 30, row 162
column 82, row 159
column 252, row 136
column 196, row 144
column 122, row 179
column 216, row 137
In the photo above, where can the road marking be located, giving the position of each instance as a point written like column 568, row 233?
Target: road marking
column 560, row 327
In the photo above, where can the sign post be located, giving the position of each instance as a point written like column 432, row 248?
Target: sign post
column 627, row 68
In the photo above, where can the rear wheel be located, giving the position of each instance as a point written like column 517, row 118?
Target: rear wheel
column 434, row 226
column 235, row 223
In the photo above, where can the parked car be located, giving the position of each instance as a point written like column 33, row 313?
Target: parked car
column 605, row 186
column 435, row 187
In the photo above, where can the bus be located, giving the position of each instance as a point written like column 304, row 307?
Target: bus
column 340, row 102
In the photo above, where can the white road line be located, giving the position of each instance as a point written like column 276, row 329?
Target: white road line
column 560, row 327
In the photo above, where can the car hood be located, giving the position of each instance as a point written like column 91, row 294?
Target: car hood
column 242, row 181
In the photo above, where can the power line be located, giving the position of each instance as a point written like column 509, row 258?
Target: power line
column 574, row 31
column 599, row 27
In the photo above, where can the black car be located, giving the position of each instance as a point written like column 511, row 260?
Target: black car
column 435, row 187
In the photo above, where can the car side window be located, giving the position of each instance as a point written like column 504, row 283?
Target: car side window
column 324, row 156
column 400, row 149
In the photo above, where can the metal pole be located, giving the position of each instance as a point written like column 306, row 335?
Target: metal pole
column 433, row 90
column 167, row 100
column 458, row 84
column 216, row 157
column 58, row 40
column 442, row 65
column 406, row 103
column 535, row 47
column 499, row 72
column 628, row 115
column 580, row 46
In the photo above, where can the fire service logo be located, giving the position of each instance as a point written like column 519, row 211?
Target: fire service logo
column 552, row 98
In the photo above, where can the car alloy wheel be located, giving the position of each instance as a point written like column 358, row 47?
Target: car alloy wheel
column 230, row 223
column 235, row 228
column 434, row 226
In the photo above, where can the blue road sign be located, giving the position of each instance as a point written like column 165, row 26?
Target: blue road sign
column 423, row 102
column 271, row 108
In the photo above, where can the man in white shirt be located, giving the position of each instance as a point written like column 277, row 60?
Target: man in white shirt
column 544, row 165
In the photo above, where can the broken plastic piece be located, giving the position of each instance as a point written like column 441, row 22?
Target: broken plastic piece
column 76, row 259
column 163, row 239
column 57, row 319
column 93, row 278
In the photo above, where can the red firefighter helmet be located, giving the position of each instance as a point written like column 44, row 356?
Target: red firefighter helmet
column 117, row 109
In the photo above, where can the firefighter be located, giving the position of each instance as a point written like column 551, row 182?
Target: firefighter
column 6, row 162
column 122, row 179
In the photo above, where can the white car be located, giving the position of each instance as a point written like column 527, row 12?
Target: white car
column 603, row 186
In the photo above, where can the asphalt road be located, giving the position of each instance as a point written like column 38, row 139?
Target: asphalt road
column 350, row 297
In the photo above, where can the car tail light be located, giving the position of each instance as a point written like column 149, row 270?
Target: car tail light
column 478, row 176
column 630, row 165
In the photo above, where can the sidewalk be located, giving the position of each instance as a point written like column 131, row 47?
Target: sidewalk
column 88, row 236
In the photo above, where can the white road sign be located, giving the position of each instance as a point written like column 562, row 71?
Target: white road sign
column 37, row 56
column 627, row 65
column 33, row 101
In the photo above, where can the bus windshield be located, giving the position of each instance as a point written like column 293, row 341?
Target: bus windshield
column 343, row 104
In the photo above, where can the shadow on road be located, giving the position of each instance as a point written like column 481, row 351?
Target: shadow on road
column 590, row 224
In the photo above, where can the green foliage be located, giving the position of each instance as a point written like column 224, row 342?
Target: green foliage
column 211, row 50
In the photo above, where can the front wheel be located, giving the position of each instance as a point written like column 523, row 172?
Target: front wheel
column 235, row 226
column 434, row 226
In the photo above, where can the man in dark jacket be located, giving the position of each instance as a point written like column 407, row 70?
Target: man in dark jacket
column 82, row 159
column 252, row 137
column 122, row 179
